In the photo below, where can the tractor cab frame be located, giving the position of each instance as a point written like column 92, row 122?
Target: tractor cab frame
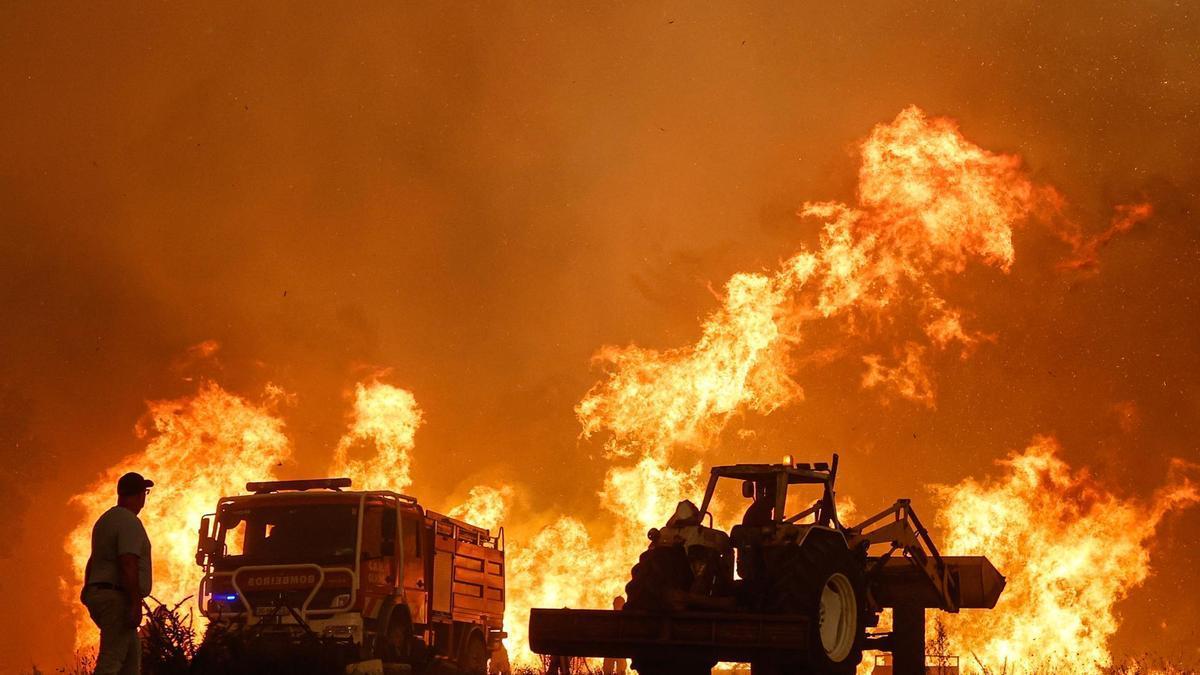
column 759, row 480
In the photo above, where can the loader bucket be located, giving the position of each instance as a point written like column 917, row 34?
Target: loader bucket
column 979, row 582
column 900, row 582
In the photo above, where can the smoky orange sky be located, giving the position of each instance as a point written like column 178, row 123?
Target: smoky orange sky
column 479, row 196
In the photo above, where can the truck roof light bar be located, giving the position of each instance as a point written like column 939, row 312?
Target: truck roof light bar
column 265, row 487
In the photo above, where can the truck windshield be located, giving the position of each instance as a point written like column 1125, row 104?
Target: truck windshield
column 303, row 533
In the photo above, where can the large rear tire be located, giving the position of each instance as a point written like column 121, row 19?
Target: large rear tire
column 659, row 574
column 822, row 579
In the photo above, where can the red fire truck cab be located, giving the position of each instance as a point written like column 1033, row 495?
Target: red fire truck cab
column 372, row 571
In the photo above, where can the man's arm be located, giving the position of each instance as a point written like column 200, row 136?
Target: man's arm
column 128, row 564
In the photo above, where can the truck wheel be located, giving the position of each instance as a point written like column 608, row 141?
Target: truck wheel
column 394, row 642
column 658, row 572
column 474, row 660
column 820, row 578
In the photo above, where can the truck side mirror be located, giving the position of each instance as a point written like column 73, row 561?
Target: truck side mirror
column 748, row 489
column 205, row 544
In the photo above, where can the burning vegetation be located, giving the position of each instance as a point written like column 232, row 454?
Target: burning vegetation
column 1071, row 548
column 930, row 206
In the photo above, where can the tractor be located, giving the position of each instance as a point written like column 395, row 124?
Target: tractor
column 789, row 593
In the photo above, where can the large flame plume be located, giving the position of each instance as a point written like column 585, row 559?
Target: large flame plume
column 539, row 578
column 198, row 448
column 1071, row 549
column 929, row 203
column 375, row 453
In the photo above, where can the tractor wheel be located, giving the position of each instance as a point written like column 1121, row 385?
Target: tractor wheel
column 474, row 659
column 820, row 578
column 658, row 572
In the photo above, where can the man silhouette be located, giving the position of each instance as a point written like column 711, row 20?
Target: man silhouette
column 117, row 577
column 613, row 666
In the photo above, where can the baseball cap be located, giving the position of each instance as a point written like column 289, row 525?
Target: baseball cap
column 133, row 484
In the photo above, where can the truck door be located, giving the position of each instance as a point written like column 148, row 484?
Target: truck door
column 390, row 546
column 416, row 587
column 379, row 568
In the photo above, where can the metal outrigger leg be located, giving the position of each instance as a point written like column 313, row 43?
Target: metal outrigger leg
column 908, row 640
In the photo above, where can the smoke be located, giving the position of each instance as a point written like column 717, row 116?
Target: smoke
column 23, row 458
column 479, row 196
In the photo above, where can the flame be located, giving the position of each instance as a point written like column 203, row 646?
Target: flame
column 198, row 448
column 1086, row 250
column 945, row 326
column 1071, row 550
column 908, row 378
column 386, row 418
column 937, row 200
column 653, row 399
column 929, row 203
column 551, row 569
column 485, row 506
column 563, row 566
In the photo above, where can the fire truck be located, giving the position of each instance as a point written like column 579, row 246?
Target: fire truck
column 370, row 571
